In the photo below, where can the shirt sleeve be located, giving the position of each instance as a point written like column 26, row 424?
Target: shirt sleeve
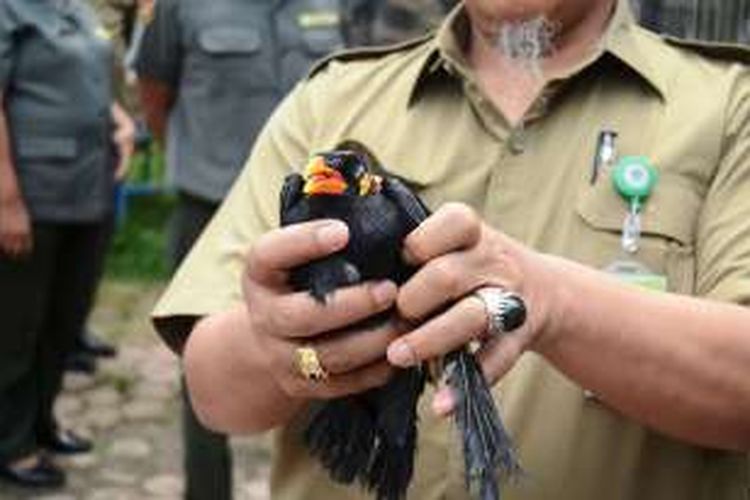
column 723, row 238
column 209, row 279
column 160, row 49
column 7, row 28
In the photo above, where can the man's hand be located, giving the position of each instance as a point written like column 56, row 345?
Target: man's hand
column 123, row 138
column 282, row 320
column 15, row 227
column 459, row 254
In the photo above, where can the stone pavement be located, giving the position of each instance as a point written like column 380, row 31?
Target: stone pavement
column 131, row 409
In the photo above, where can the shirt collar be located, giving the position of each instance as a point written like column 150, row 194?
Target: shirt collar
column 624, row 39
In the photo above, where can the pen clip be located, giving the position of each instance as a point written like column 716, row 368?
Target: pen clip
column 605, row 155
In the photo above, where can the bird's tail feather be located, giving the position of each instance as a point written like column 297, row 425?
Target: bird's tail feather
column 488, row 449
column 355, row 442
column 339, row 435
column 396, row 437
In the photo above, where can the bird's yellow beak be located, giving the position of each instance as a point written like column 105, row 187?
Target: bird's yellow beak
column 322, row 179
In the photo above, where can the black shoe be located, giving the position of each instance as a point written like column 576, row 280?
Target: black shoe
column 80, row 362
column 66, row 443
column 42, row 474
column 89, row 343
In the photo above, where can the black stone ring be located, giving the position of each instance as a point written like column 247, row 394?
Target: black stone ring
column 506, row 311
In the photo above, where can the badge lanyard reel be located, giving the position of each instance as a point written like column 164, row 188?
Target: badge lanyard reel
column 634, row 179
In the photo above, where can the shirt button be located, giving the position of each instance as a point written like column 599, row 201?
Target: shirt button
column 517, row 142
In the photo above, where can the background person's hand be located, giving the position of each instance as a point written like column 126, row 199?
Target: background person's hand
column 16, row 239
column 459, row 254
column 282, row 320
column 123, row 138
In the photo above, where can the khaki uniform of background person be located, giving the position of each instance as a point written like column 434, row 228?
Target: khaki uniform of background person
column 670, row 420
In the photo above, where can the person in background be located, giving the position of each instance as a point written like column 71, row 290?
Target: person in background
column 63, row 143
column 568, row 155
column 117, row 18
column 210, row 73
column 383, row 22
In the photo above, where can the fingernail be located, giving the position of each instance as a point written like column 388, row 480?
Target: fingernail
column 443, row 403
column 333, row 234
column 401, row 354
column 384, row 292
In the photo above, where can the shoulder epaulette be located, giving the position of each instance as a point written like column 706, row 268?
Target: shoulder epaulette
column 713, row 50
column 367, row 52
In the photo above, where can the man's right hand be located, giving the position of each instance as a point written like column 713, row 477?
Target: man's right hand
column 282, row 320
column 15, row 228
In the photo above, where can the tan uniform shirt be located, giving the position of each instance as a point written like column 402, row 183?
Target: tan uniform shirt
column 419, row 108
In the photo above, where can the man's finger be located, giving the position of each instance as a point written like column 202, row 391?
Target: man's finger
column 369, row 377
column 465, row 321
column 336, row 386
column 499, row 355
column 440, row 282
column 285, row 248
column 298, row 315
column 454, row 227
column 349, row 350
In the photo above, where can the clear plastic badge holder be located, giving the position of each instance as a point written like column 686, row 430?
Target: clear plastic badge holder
column 634, row 179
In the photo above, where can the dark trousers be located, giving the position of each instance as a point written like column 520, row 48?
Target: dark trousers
column 44, row 299
column 208, row 461
column 96, row 263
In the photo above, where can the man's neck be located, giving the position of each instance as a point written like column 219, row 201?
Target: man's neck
column 512, row 83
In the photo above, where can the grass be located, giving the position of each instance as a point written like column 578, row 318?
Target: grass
column 138, row 251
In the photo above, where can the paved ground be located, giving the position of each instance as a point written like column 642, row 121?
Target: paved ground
column 131, row 409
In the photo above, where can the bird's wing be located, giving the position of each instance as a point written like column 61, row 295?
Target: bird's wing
column 414, row 209
column 291, row 193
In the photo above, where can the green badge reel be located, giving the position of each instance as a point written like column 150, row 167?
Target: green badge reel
column 634, row 179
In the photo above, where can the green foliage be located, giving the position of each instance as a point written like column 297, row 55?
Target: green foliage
column 138, row 250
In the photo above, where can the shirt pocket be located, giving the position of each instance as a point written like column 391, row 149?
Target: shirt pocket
column 231, row 58
column 49, row 148
column 224, row 42
column 47, row 166
column 668, row 227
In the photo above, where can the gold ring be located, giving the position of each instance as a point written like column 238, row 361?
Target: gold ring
column 308, row 364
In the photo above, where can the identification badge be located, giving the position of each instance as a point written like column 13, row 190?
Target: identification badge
column 635, row 273
column 102, row 33
column 319, row 19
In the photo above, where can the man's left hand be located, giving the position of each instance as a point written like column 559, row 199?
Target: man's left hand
column 458, row 253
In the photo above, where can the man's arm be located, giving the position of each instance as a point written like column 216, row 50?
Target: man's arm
column 158, row 63
column 15, row 224
column 677, row 364
column 157, row 99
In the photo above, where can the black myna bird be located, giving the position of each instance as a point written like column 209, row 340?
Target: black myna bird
column 371, row 437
